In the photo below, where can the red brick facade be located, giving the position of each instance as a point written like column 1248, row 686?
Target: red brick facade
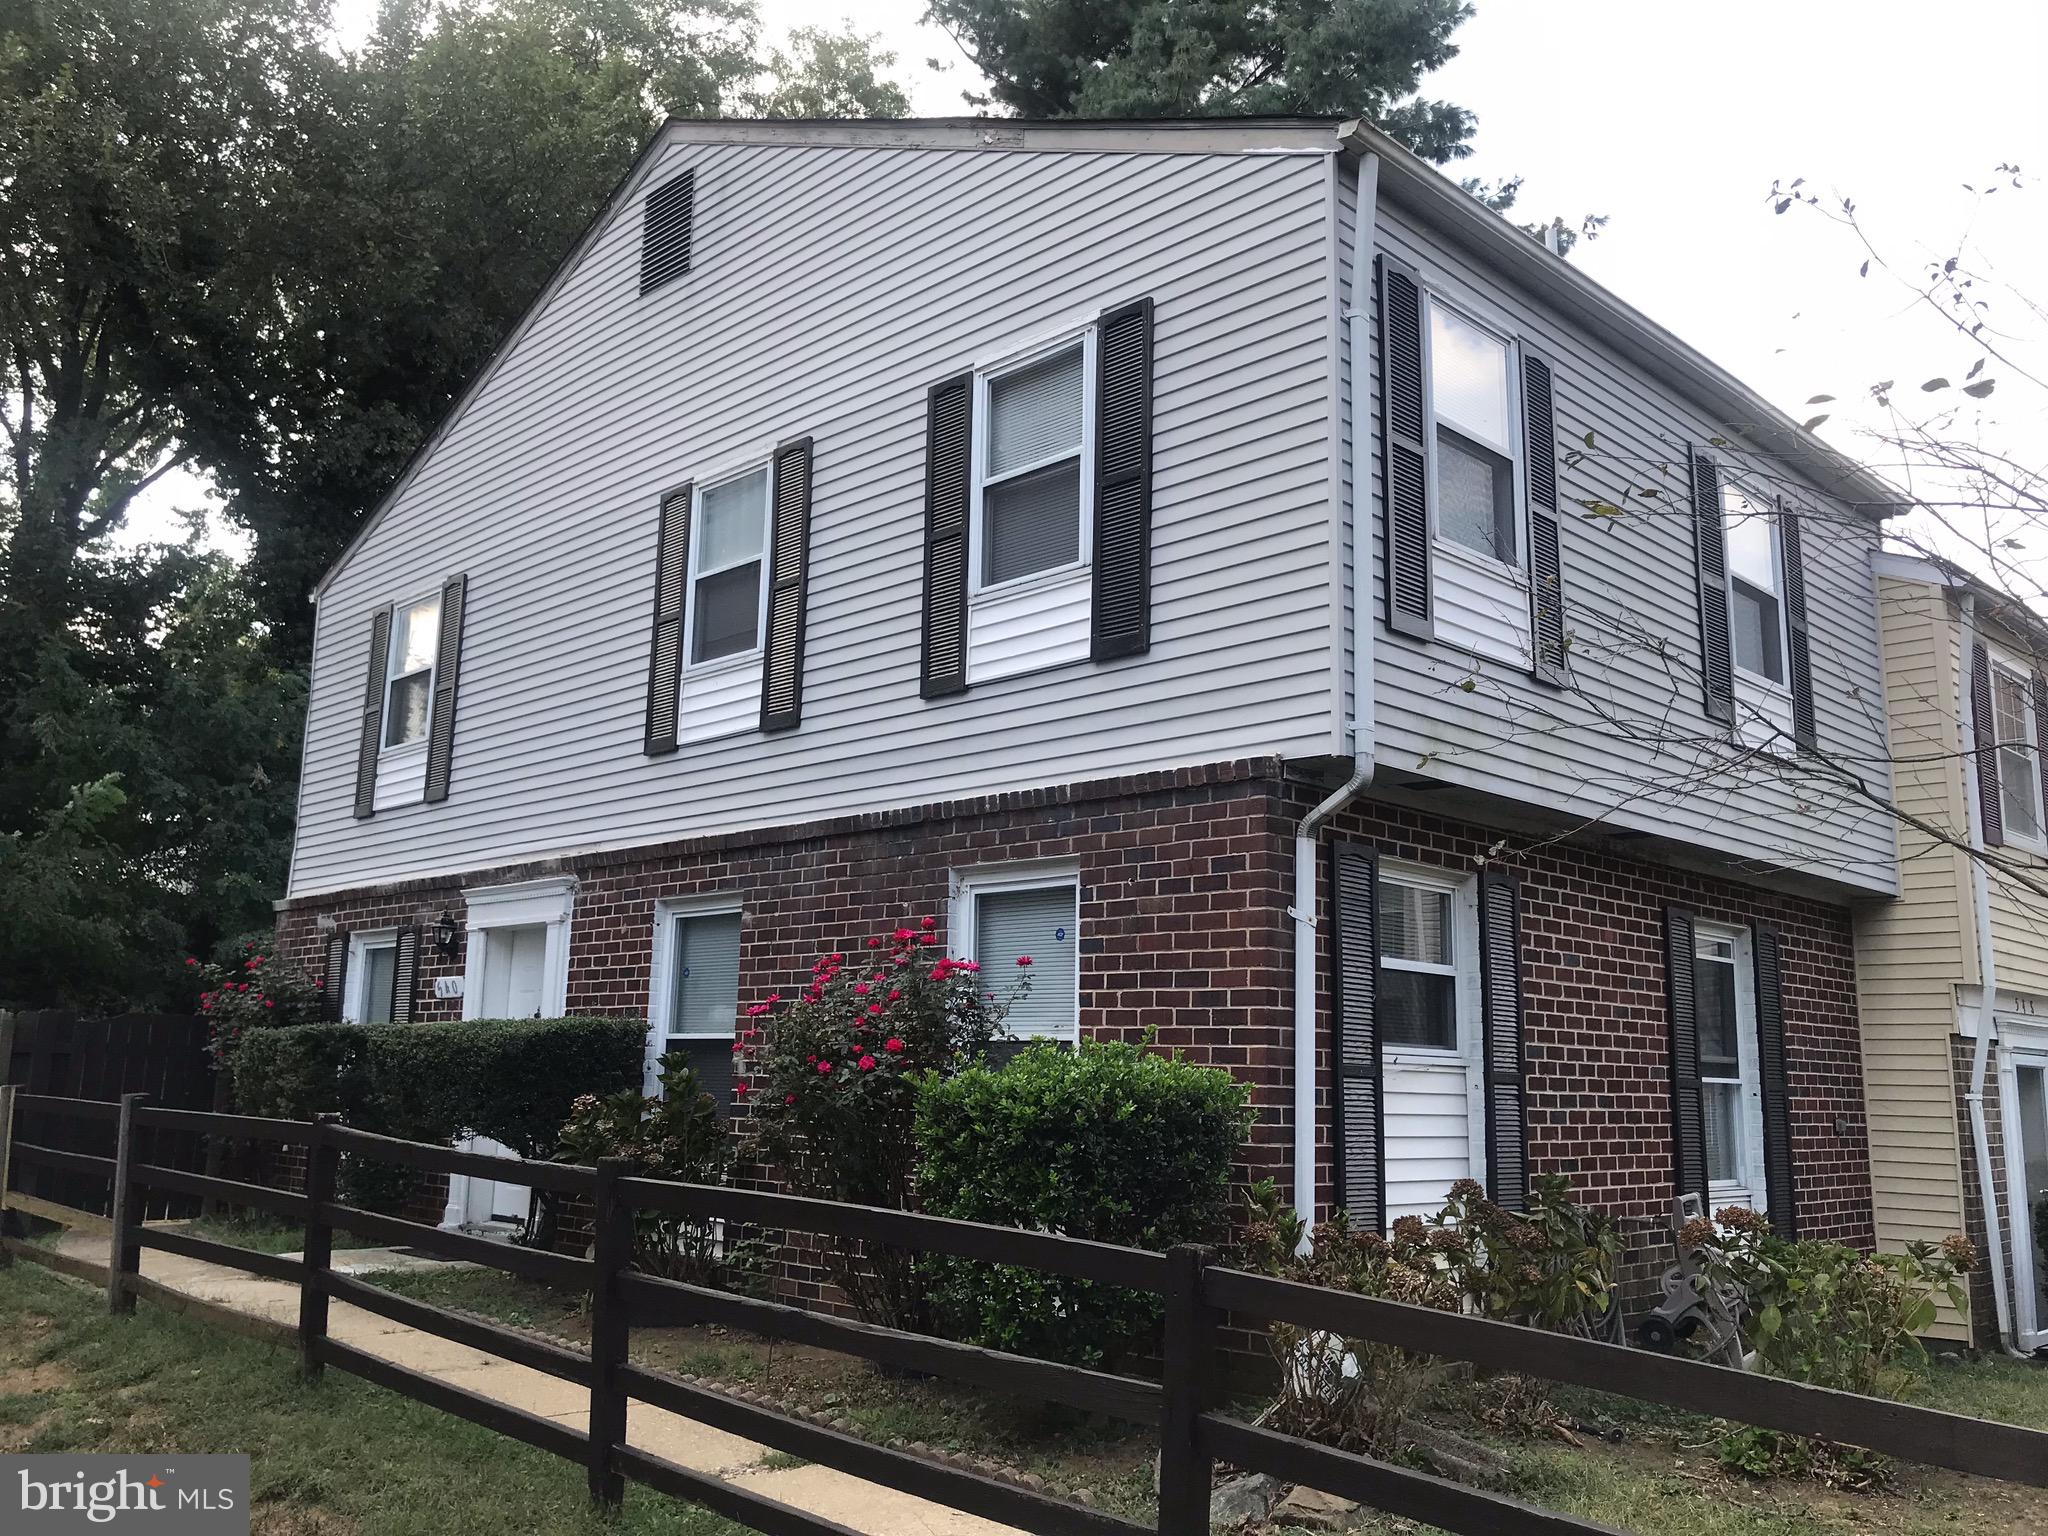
column 1186, row 879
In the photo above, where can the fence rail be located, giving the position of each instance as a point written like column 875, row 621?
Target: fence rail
column 1186, row 1408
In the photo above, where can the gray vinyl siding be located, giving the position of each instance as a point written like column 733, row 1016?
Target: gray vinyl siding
column 1640, row 567
column 830, row 286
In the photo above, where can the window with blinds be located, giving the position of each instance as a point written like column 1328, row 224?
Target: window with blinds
column 704, row 994
column 1039, row 923
column 1031, row 469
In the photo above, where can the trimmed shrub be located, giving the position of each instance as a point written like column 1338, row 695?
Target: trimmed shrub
column 513, row 1080
column 1110, row 1142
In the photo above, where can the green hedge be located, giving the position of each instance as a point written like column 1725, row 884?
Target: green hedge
column 512, row 1080
column 1111, row 1142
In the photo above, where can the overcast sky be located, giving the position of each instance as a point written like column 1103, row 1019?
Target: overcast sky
column 1674, row 121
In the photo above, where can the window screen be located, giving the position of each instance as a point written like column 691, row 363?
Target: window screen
column 704, row 997
column 1041, row 923
column 378, row 965
column 1031, row 495
column 731, row 534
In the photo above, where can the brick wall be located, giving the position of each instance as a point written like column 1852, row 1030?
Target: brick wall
column 1185, row 884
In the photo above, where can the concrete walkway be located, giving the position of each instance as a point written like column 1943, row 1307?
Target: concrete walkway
column 817, row 1490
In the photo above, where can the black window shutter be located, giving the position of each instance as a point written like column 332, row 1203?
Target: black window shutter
column 1770, row 1050
column 949, row 436
column 1710, row 557
column 1123, row 483
column 405, row 974
column 789, row 566
column 1404, row 452
column 371, row 740
column 1688, row 1094
column 333, row 975
column 1546, row 552
column 1799, row 652
column 1985, row 728
column 447, row 669
column 1500, row 989
column 1358, row 1131
column 2041, row 733
column 666, row 230
column 671, row 598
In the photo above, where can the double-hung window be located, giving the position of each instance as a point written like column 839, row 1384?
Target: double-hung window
column 1034, row 465
column 1732, row 1102
column 409, row 671
column 697, row 999
column 1472, row 398
column 1004, row 917
column 728, row 567
column 1756, row 585
column 2019, row 772
column 1417, row 1007
column 372, row 972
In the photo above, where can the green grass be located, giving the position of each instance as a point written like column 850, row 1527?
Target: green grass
column 337, row 1456
column 2010, row 1391
column 264, row 1234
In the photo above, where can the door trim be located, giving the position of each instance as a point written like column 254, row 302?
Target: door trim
column 2030, row 1051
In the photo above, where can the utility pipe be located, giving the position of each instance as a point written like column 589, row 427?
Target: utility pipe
column 1364, row 236
column 1987, row 988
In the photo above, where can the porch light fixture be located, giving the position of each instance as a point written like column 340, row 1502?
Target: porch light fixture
column 446, row 932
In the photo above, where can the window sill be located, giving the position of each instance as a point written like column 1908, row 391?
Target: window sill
column 1025, row 586
column 1763, row 684
column 1421, row 1056
column 1485, row 566
column 402, row 751
column 723, row 664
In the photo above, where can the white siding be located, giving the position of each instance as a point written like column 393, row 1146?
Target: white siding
column 1629, row 577
column 1429, row 1136
column 832, row 287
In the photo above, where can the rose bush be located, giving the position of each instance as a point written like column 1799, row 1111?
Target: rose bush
column 831, row 1078
column 252, row 990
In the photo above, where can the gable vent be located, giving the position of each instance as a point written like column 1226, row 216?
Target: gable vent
column 665, row 232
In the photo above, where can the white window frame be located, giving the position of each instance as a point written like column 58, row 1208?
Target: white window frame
column 984, row 376
column 762, row 464
column 669, row 915
column 523, row 904
column 419, row 744
column 2028, row 749
column 1463, row 891
column 353, row 1000
column 1516, row 452
column 1781, row 686
column 1753, row 1191
column 970, row 884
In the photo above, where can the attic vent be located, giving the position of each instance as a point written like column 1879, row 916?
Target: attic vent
column 665, row 232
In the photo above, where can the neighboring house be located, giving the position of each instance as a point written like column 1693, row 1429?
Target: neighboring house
column 1969, row 716
column 878, row 520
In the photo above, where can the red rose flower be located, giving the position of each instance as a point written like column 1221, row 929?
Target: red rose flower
column 874, row 1008
column 824, row 1066
column 789, row 1098
column 867, row 1063
column 928, row 922
column 860, row 989
column 740, row 1089
column 893, row 1046
column 1023, row 959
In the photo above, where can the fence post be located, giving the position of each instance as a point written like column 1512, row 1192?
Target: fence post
column 323, row 1158
column 124, row 1257
column 612, row 1219
column 7, row 1092
column 1190, row 1347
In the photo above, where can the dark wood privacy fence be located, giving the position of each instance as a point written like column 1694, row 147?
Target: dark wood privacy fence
column 1195, row 1432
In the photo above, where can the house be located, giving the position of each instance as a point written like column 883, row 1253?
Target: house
column 1959, row 1103
column 1322, row 628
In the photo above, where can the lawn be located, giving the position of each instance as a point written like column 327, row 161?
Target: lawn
column 1635, row 1466
column 340, row 1458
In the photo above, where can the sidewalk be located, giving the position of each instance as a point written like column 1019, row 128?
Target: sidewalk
column 817, row 1490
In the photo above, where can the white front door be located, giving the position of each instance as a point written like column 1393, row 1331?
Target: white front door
column 514, row 974
column 2026, row 1178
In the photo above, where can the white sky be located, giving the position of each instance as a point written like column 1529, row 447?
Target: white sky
column 1674, row 121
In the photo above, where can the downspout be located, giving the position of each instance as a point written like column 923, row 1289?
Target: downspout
column 1987, row 987
column 1364, row 236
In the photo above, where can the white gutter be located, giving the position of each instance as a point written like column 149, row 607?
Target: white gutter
column 1987, row 987
column 1364, row 236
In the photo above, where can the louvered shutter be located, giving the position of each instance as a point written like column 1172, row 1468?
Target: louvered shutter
column 949, row 436
column 1359, row 1130
column 1688, row 1093
column 1123, row 484
column 1770, row 1050
column 671, row 599
column 447, row 669
column 1984, row 726
column 666, row 231
column 1799, row 658
column 405, row 974
column 1500, row 988
column 1404, row 452
column 2041, row 734
column 789, row 564
column 1546, row 551
column 1710, row 557
column 371, row 739
column 333, row 976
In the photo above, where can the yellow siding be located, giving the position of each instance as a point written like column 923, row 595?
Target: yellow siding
column 1911, row 953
